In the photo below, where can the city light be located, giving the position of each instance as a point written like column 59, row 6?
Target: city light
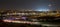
column 28, row 22
column 43, row 10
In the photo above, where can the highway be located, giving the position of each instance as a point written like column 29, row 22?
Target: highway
column 34, row 23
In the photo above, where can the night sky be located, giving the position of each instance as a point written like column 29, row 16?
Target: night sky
column 26, row 4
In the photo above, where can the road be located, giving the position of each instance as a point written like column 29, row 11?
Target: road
column 36, row 23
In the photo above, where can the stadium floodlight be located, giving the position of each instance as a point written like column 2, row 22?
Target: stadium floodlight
column 43, row 10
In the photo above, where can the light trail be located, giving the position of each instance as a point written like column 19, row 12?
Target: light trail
column 27, row 22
